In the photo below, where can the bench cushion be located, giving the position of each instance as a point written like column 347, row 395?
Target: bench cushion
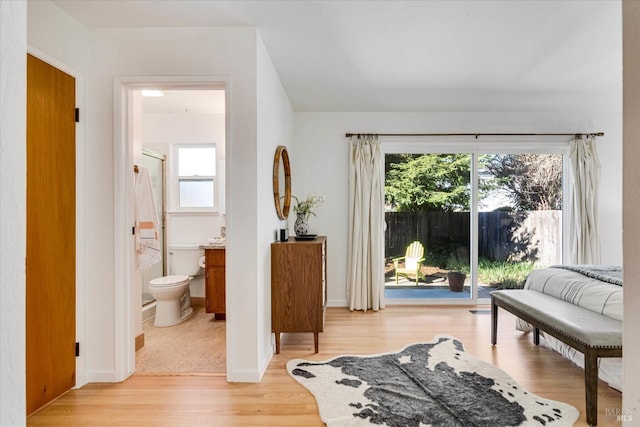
column 588, row 327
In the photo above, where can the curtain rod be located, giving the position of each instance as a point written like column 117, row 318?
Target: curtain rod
column 578, row 135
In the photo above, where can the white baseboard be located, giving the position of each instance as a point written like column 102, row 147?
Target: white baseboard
column 101, row 377
column 337, row 303
column 244, row 376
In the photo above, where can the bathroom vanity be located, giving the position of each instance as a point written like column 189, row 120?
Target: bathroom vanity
column 214, row 293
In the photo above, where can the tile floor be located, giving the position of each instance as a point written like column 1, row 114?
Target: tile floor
column 197, row 345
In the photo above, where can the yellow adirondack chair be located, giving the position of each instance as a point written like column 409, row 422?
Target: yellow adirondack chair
column 413, row 258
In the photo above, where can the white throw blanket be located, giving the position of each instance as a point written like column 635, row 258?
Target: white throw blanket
column 148, row 250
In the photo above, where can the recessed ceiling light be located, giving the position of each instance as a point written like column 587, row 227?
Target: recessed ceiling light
column 152, row 92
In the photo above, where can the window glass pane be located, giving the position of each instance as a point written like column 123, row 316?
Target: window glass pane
column 428, row 200
column 196, row 193
column 196, row 161
column 519, row 216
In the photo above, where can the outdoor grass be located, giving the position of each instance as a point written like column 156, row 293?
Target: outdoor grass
column 503, row 274
column 499, row 274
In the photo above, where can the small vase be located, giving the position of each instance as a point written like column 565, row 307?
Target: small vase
column 301, row 227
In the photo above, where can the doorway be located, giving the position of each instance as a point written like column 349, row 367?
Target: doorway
column 175, row 116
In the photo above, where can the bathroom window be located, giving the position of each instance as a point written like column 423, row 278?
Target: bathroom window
column 196, row 174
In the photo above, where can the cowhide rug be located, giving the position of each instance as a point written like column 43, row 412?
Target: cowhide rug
column 427, row 384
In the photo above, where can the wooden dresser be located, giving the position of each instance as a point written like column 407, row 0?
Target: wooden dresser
column 214, row 292
column 298, row 287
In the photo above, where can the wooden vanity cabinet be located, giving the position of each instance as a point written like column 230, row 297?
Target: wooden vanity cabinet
column 215, row 282
column 298, row 287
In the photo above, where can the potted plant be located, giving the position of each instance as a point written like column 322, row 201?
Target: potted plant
column 303, row 209
column 456, row 275
column 456, row 280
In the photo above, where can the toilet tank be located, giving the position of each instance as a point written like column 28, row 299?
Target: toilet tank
column 184, row 259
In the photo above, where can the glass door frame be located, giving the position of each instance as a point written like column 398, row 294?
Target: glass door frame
column 476, row 147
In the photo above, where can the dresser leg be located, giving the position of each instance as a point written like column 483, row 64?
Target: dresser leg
column 277, row 342
column 315, row 341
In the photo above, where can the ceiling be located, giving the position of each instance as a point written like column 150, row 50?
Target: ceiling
column 438, row 55
column 192, row 101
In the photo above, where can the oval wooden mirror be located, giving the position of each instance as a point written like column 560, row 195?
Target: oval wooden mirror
column 282, row 182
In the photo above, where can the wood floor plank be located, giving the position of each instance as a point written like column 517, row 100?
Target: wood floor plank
column 208, row 400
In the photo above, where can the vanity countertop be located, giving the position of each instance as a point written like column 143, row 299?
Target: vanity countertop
column 220, row 245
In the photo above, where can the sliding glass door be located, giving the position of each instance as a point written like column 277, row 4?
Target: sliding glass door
column 463, row 222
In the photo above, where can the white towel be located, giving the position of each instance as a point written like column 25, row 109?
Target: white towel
column 148, row 250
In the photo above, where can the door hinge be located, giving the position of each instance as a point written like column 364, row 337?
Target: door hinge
column 77, row 349
column 77, row 115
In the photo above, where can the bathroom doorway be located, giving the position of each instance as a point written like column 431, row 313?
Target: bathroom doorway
column 175, row 116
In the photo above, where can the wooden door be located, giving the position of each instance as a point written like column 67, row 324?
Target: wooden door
column 51, row 234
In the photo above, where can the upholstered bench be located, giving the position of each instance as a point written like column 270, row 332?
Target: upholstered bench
column 589, row 332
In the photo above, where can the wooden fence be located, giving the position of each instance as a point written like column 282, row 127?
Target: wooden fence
column 532, row 236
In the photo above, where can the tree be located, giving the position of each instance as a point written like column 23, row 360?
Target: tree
column 427, row 182
column 533, row 181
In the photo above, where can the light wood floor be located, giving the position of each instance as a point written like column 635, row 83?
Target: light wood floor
column 208, row 400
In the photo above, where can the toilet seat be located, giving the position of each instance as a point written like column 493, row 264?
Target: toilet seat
column 168, row 281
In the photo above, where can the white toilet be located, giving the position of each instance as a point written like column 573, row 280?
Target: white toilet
column 173, row 300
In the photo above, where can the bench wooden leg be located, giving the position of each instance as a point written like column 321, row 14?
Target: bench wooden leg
column 591, row 386
column 494, row 322
column 536, row 336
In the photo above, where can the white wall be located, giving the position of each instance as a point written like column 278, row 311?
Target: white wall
column 160, row 132
column 13, row 45
column 275, row 127
column 113, row 53
column 68, row 50
column 217, row 52
column 320, row 165
column 631, row 82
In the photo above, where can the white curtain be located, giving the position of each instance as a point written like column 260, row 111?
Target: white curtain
column 583, row 209
column 365, row 252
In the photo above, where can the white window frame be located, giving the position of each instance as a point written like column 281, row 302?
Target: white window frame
column 175, row 181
